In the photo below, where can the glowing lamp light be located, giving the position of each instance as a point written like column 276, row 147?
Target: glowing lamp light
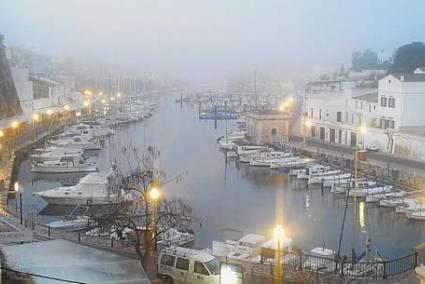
column 49, row 112
column 100, row 94
column 35, row 117
column 1, row 133
column 154, row 194
column 86, row 103
column 118, row 95
column 67, row 107
column 282, row 107
column 15, row 124
column 308, row 123
column 78, row 113
column 16, row 186
column 112, row 98
column 103, row 101
column 291, row 100
column 231, row 273
column 278, row 232
column 363, row 129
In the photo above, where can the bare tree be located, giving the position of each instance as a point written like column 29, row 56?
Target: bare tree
column 148, row 226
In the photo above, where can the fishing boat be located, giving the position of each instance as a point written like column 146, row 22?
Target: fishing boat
column 295, row 172
column 93, row 189
column 387, row 196
column 263, row 154
column 410, row 205
column 291, row 163
column 394, row 202
column 266, row 159
column 363, row 192
column 359, row 184
column 66, row 164
column 330, row 180
column 416, row 215
column 317, row 172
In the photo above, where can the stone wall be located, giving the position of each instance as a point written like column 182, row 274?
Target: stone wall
column 9, row 102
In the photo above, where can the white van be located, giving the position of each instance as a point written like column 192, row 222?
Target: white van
column 182, row 265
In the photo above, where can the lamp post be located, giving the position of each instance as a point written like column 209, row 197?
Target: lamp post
column 19, row 190
column 362, row 131
column 307, row 127
column 154, row 195
column 278, row 235
column 35, row 119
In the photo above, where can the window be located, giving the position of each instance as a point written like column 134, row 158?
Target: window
column 339, row 136
column 213, row 266
column 168, row 260
column 361, row 104
column 391, row 102
column 339, row 116
column 383, row 101
column 357, row 104
column 391, row 124
column 320, row 113
column 313, row 131
column 274, row 131
column 200, row 268
column 182, row 263
column 311, row 112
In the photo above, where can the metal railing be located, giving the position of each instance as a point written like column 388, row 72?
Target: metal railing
column 300, row 263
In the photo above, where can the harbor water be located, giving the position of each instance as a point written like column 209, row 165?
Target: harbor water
column 233, row 199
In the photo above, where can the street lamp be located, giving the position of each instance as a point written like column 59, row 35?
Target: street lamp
column 19, row 190
column 278, row 234
column 118, row 95
column 1, row 133
column 35, row 118
column 307, row 126
column 154, row 195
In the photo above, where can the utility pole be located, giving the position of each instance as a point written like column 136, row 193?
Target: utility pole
column 255, row 90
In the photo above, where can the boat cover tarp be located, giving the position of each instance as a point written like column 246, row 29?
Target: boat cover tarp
column 68, row 260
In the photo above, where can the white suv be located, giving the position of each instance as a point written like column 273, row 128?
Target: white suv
column 182, row 265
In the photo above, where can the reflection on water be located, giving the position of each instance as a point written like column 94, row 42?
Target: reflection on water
column 235, row 199
column 362, row 217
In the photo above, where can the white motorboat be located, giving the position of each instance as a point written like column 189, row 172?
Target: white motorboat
column 70, row 223
column 291, row 163
column 77, row 142
column 93, row 189
column 53, row 153
column 66, row 164
column 330, row 180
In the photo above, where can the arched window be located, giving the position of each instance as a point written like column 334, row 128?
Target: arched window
column 274, row 131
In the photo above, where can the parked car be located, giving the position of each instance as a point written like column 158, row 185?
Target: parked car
column 183, row 265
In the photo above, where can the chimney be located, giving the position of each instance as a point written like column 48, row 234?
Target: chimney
column 402, row 78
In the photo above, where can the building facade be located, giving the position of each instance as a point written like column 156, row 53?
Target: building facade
column 338, row 110
column 268, row 127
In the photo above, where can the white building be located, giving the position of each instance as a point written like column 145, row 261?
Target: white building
column 391, row 113
column 37, row 94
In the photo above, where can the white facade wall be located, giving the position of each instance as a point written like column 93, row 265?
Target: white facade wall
column 24, row 89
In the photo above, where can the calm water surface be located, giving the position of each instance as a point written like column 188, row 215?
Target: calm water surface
column 230, row 197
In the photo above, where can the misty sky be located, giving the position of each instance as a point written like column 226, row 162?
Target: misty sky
column 210, row 40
